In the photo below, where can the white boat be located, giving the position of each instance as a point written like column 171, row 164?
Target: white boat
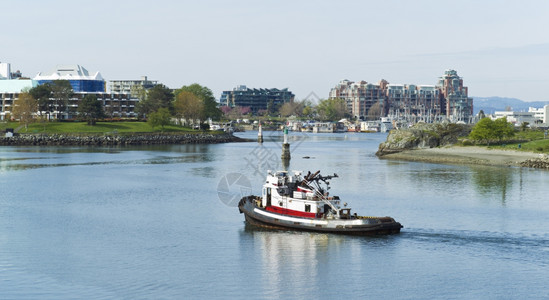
column 369, row 126
column 292, row 201
column 386, row 124
column 323, row 127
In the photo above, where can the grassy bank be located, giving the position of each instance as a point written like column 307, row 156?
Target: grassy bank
column 98, row 128
column 536, row 146
column 532, row 141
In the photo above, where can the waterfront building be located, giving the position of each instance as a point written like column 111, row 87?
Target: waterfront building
column 459, row 107
column 534, row 116
column 256, row 99
column 359, row 96
column 541, row 113
column 114, row 105
column 409, row 102
column 131, row 86
column 80, row 79
column 11, row 84
column 121, row 105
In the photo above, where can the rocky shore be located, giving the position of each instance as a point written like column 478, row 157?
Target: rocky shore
column 117, row 140
column 423, row 136
column 436, row 143
column 541, row 162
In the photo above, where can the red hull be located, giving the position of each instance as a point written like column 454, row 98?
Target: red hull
column 290, row 212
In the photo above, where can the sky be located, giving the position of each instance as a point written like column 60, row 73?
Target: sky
column 499, row 47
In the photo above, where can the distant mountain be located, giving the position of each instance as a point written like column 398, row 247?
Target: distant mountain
column 491, row 104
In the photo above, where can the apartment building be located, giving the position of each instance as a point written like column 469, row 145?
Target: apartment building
column 131, row 86
column 83, row 83
column 256, row 99
column 430, row 103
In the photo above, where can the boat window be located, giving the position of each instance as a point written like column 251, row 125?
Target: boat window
column 307, row 208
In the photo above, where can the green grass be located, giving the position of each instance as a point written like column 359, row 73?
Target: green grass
column 98, row 128
column 529, row 135
column 5, row 124
column 534, row 141
column 537, row 146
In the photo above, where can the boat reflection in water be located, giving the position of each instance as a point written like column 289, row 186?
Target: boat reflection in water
column 287, row 258
column 299, row 264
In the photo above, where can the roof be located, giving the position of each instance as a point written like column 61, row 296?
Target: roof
column 16, row 86
column 68, row 72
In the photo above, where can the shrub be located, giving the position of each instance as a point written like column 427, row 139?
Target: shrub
column 466, row 142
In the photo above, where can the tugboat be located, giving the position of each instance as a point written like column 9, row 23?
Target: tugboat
column 296, row 202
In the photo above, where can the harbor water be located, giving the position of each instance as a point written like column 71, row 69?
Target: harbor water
column 161, row 222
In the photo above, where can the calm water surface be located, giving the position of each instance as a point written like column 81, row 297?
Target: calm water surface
column 161, row 223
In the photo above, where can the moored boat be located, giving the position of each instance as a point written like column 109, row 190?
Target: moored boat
column 292, row 201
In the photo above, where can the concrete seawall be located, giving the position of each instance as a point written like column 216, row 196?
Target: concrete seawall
column 117, row 140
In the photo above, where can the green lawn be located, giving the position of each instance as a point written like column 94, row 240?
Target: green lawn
column 535, row 142
column 538, row 146
column 99, row 127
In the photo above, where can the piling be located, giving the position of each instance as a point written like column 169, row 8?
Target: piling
column 260, row 134
column 285, row 146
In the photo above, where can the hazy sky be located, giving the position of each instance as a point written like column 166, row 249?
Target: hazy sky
column 500, row 48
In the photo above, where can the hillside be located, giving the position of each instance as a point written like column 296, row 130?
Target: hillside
column 491, row 104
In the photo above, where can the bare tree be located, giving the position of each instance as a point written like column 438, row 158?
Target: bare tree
column 188, row 106
column 25, row 108
column 374, row 112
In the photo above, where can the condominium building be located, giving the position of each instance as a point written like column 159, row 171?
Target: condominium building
column 359, row 96
column 114, row 105
column 459, row 107
column 256, row 99
column 430, row 103
column 129, row 86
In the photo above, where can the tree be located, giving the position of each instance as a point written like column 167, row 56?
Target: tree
column 294, row 108
column 503, row 129
column 61, row 93
column 91, row 109
column 332, row 109
column 42, row 93
column 161, row 117
column 482, row 130
column 210, row 109
column 158, row 97
column 139, row 92
column 487, row 130
column 524, row 126
column 24, row 109
column 226, row 110
column 188, row 106
column 374, row 113
column 308, row 109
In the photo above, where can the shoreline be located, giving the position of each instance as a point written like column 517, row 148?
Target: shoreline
column 118, row 140
column 471, row 155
